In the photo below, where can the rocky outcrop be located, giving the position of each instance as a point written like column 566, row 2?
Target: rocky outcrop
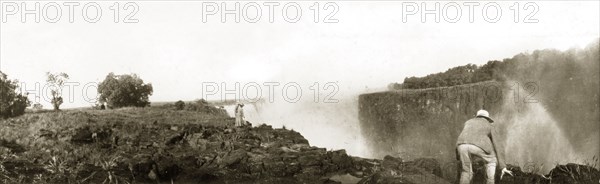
column 394, row 170
column 195, row 153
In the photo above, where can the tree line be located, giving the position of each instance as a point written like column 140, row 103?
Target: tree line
column 524, row 66
column 115, row 91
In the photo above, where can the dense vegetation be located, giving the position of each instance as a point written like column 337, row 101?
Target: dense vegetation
column 524, row 66
column 200, row 105
column 12, row 103
column 116, row 91
column 179, row 105
column 124, row 91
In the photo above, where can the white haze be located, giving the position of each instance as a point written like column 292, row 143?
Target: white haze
column 533, row 138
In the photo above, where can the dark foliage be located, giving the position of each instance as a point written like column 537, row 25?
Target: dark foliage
column 453, row 76
column 204, row 107
column 124, row 91
column 525, row 66
column 179, row 105
column 12, row 103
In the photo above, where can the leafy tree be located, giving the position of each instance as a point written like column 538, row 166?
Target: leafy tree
column 124, row 90
column 57, row 80
column 12, row 104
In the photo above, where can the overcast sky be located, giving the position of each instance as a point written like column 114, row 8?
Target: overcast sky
column 367, row 49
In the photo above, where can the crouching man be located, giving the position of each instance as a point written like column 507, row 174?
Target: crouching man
column 478, row 138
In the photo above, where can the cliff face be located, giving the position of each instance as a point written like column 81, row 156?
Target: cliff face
column 542, row 123
column 550, row 115
column 424, row 123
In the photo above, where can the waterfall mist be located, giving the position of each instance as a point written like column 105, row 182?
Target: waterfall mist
column 563, row 123
column 533, row 139
column 329, row 125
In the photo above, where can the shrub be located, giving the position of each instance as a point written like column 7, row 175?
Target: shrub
column 198, row 105
column 124, row 91
column 37, row 107
column 205, row 107
column 12, row 103
column 179, row 105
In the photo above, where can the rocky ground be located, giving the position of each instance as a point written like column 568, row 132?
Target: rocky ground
column 169, row 146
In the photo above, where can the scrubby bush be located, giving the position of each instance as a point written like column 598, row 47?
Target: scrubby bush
column 204, row 107
column 11, row 102
column 57, row 81
column 198, row 105
column 179, row 105
column 124, row 91
column 37, row 107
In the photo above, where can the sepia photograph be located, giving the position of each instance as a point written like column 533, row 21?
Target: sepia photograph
column 306, row 92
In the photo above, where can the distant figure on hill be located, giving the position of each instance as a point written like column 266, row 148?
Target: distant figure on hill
column 239, row 115
column 479, row 138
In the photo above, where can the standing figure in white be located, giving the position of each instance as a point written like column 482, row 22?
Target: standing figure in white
column 239, row 115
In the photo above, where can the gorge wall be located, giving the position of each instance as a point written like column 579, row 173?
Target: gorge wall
column 547, row 112
column 423, row 123
column 426, row 123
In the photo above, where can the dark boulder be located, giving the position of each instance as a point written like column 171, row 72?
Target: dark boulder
column 233, row 158
column 519, row 176
column 569, row 173
column 394, row 170
column 196, row 141
column 428, row 164
column 390, row 162
column 275, row 168
column 574, row 173
column 82, row 135
column 140, row 166
column 168, row 172
column 309, row 160
column 341, row 160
